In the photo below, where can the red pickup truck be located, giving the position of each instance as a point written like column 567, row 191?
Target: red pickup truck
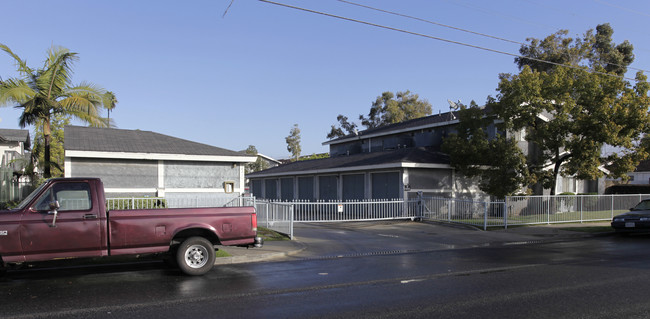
column 67, row 218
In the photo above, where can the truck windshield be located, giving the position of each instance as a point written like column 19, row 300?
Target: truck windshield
column 31, row 196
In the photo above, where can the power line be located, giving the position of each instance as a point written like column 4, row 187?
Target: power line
column 460, row 29
column 439, row 39
column 429, row 21
column 622, row 8
column 228, row 8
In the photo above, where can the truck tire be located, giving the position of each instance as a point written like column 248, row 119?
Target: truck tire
column 195, row 256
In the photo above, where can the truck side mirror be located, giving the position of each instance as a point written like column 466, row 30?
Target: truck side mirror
column 54, row 206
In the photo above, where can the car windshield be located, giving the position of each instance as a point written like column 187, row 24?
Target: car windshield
column 29, row 198
column 644, row 205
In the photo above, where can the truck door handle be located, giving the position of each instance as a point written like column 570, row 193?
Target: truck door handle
column 90, row 216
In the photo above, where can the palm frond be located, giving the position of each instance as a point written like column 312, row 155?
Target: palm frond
column 91, row 120
column 77, row 103
column 89, row 90
column 15, row 91
column 20, row 64
column 57, row 72
column 33, row 112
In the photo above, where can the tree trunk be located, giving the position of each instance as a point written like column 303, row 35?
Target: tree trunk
column 556, row 170
column 47, row 173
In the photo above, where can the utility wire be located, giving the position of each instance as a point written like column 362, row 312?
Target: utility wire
column 622, row 8
column 429, row 21
column 228, row 8
column 460, row 29
column 439, row 39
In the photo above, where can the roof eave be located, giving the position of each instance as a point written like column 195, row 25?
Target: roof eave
column 389, row 132
column 160, row 156
column 335, row 170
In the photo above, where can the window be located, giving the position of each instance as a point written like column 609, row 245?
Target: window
column 71, row 196
column 229, row 187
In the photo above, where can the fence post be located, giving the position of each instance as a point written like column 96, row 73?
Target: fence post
column 548, row 211
column 291, row 221
column 505, row 213
column 132, row 202
column 420, row 205
column 485, row 215
column 582, row 200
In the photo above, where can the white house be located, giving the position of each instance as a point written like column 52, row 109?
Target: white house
column 142, row 163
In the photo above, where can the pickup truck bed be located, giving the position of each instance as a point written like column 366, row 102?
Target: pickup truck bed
column 147, row 231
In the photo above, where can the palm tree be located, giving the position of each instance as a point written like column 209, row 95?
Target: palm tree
column 110, row 101
column 43, row 92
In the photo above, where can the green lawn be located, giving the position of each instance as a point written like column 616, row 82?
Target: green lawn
column 270, row 235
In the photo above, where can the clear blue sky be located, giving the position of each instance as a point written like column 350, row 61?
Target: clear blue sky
column 180, row 68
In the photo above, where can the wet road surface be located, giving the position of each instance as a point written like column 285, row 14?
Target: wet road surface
column 361, row 271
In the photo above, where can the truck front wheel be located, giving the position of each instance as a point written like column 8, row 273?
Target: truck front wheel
column 195, row 256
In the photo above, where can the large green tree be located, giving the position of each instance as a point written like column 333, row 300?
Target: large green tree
column 44, row 92
column 570, row 109
column 388, row 108
column 473, row 153
column 293, row 142
column 259, row 164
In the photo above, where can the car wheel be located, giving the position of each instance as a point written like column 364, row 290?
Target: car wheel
column 195, row 256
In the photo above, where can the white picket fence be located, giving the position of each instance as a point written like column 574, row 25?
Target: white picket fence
column 514, row 210
column 529, row 210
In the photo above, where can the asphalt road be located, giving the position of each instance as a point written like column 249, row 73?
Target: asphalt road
column 361, row 271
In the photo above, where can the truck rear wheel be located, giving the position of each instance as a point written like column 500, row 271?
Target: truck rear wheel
column 195, row 256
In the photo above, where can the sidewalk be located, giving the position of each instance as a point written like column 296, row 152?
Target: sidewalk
column 559, row 230
column 271, row 250
column 279, row 249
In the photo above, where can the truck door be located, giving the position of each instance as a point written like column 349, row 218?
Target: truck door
column 73, row 232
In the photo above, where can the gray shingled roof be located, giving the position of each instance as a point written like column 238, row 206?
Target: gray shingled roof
column 391, row 128
column 78, row 138
column 418, row 155
column 13, row 135
column 418, row 122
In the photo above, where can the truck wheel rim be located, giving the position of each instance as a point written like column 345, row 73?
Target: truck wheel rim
column 196, row 256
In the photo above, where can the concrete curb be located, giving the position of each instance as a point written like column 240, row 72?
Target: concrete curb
column 242, row 257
